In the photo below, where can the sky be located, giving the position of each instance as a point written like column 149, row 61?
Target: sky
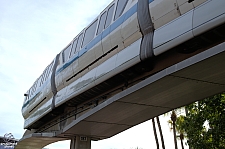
column 32, row 32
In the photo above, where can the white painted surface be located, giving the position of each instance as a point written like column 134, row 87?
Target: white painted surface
column 208, row 15
column 173, row 33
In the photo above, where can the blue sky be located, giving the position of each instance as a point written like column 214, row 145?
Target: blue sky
column 32, row 32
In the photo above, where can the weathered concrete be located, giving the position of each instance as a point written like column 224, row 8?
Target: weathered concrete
column 37, row 140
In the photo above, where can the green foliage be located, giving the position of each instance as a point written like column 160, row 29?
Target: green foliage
column 204, row 124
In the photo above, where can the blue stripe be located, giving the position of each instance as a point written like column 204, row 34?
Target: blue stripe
column 31, row 99
column 130, row 12
column 117, row 23
column 104, row 34
column 96, row 40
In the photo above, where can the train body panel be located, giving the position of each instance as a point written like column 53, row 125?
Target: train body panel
column 184, row 6
column 163, row 11
column 215, row 16
column 105, row 70
column 173, row 33
column 39, row 113
column 41, row 93
column 112, row 43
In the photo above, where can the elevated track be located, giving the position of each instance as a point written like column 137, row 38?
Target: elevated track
column 182, row 83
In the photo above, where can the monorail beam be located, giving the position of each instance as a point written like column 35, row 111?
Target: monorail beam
column 193, row 79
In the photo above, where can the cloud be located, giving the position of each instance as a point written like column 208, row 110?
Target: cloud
column 31, row 34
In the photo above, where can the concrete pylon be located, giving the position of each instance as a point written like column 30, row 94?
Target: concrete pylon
column 80, row 142
column 72, row 143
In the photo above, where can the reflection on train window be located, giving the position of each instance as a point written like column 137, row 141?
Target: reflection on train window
column 79, row 42
column 90, row 33
column 120, row 7
column 109, row 16
column 66, row 53
column 101, row 23
column 73, row 51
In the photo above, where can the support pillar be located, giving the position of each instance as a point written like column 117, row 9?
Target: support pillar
column 80, row 142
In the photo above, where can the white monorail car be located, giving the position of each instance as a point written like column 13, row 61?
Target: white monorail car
column 125, row 34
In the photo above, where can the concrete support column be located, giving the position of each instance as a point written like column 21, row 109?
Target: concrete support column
column 80, row 142
column 72, row 143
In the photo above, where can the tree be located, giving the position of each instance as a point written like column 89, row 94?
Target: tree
column 173, row 119
column 181, row 132
column 160, row 131
column 204, row 124
column 155, row 133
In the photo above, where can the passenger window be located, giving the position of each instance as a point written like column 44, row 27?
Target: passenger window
column 35, row 86
column 73, row 51
column 120, row 7
column 32, row 89
column 51, row 67
column 90, row 33
column 43, row 77
column 101, row 23
column 45, row 74
column 79, row 42
column 31, row 92
column 109, row 16
column 66, row 53
column 48, row 71
column 39, row 81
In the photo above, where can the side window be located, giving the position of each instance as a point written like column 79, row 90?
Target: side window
column 101, row 23
column 79, row 42
column 90, row 33
column 66, row 53
column 45, row 74
column 43, row 77
column 35, row 86
column 48, row 71
column 73, row 51
column 30, row 91
column 51, row 66
column 40, row 81
column 109, row 16
column 27, row 97
column 120, row 7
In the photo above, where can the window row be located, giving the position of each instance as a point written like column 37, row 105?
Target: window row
column 40, row 80
column 83, row 39
column 94, row 29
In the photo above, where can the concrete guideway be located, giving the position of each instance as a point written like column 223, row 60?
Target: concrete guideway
column 193, row 79
column 37, row 140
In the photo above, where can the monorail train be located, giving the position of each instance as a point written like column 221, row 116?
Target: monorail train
column 126, row 33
